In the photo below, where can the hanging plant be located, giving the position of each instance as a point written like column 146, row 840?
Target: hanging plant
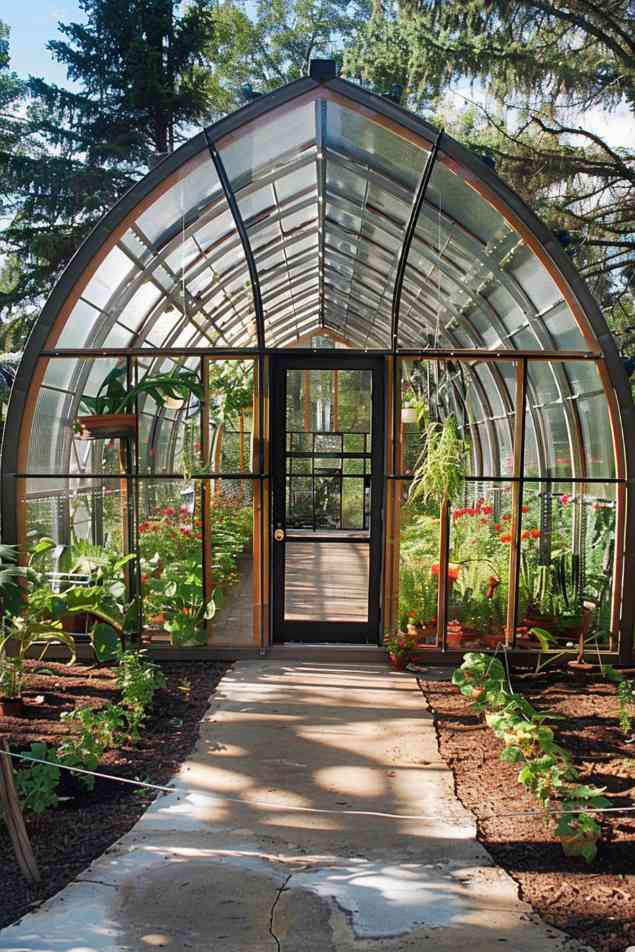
column 109, row 410
column 439, row 473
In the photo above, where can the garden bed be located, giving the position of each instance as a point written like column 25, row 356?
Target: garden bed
column 593, row 902
column 69, row 836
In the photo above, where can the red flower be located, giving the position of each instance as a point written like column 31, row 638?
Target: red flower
column 525, row 509
column 487, row 510
column 507, row 516
column 498, row 527
column 506, row 537
column 525, row 534
column 535, row 533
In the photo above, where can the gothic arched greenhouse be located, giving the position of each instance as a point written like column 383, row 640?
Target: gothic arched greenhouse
column 240, row 376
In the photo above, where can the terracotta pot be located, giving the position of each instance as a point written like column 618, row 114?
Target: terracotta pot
column 108, row 426
column 76, row 624
column 158, row 620
column 398, row 662
column 11, row 706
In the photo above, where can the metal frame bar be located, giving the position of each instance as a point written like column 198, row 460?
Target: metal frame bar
column 408, row 236
column 244, row 238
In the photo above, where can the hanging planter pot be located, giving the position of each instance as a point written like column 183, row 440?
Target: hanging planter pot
column 408, row 414
column 173, row 403
column 107, row 426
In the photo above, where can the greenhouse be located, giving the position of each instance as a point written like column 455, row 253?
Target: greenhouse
column 320, row 377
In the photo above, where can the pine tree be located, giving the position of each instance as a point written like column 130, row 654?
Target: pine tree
column 139, row 68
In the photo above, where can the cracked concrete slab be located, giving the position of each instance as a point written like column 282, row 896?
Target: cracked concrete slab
column 314, row 815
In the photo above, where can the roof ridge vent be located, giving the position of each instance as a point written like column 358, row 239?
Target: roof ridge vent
column 322, row 70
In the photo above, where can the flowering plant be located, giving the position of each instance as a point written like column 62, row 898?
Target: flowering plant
column 401, row 644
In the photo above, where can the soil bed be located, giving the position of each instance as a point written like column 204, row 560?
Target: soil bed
column 67, row 838
column 596, row 902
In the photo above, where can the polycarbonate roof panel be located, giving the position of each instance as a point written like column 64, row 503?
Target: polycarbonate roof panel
column 322, row 187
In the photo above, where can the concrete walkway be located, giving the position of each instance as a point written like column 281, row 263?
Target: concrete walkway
column 381, row 857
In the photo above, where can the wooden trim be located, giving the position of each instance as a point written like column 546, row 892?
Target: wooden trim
column 444, row 559
column 206, row 489
column 517, row 500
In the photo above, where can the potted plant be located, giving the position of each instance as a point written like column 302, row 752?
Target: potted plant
column 400, row 647
column 109, row 411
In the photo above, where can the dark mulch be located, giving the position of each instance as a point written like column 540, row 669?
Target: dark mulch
column 70, row 836
column 595, row 903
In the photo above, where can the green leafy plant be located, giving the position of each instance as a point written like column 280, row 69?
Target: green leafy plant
column 545, row 767
column 439, row 474
column 37, row 784
column 577, row 828
column 625, row 697
column 115, row 396
column 482, row 679
column 139, row 680
column 11, row 676
column 99, row 730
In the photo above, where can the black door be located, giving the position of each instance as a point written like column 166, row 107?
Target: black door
column 327, row 429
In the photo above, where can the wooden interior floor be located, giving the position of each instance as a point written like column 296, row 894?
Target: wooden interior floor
column 326, row 581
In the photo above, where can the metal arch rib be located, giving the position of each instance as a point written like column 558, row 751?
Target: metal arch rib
column 410, row 230
column 244, row 238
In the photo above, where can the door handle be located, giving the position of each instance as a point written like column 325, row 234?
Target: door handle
column 279, row 535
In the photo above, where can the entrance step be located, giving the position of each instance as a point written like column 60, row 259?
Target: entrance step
column 347, row 654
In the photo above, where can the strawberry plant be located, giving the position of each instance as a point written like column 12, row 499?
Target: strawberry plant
column 546, row 770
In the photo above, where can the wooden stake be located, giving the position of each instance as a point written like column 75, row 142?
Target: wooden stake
column 14, row 819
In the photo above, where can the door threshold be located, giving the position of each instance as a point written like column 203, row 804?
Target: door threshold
column 298, row 651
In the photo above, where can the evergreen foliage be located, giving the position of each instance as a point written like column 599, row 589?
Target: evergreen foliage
column 543, row 65
column 139, row 85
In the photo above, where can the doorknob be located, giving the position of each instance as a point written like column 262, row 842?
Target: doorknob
column 279, row 535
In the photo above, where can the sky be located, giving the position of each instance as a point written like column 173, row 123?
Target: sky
column 32, row 24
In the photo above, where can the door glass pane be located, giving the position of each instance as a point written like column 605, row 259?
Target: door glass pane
column 328, row 416
column 326, row 581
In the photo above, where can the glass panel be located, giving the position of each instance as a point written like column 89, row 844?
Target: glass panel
column 196, row 188
column 355, row 135
column 231, row 556
column 328, row 445
column 262, row 143
column 88, row 519
column 479, row 396
column 55, row 443
column 478, row 575
column 568, row 533
column 326, row 581
column 418, row 566
column 171, row 553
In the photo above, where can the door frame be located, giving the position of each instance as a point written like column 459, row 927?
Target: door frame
column 320, row 632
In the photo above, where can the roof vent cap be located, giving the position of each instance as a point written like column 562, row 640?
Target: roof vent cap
column 322, row 70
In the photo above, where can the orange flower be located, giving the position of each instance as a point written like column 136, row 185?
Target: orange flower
column 535, row 533
column 454, row 570
column 506, row 537
column 524, row 534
